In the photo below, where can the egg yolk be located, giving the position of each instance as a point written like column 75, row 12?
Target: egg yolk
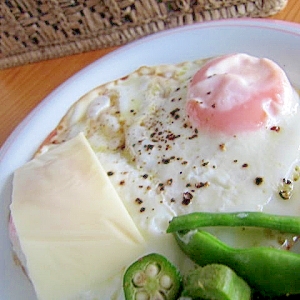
column 238, row 92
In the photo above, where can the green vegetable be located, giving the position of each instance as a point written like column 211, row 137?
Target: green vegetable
column 271, row 271
column 288, row 224
column 152, row 277
column 217, row 282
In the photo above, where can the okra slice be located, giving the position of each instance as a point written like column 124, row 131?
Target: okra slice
column 215, row 281
column 152, row 277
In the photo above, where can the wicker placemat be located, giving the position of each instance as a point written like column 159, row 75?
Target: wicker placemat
column 35, row 30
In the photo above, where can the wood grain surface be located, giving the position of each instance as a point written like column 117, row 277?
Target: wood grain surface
column 23, row 88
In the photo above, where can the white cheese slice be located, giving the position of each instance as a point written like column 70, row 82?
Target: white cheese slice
column 73, row 228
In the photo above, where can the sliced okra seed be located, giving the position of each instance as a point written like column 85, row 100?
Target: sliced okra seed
column 159, row 296
column 142, row 295
column 165, row 282
column 139, row 278
column 152, row 270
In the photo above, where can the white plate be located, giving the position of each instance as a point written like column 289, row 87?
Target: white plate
column 276, row 40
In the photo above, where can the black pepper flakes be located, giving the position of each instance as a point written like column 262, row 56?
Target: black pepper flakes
column 172, row 136
column 142, row 209
column 199, row 185
column 138, row 201
column 275, row 128
column 245, row 165
column 222, row 147
column 287, row 189
column 258, row 180
column 161, row 186
column 187, row 198
column 149, row 147
column 110, row 173
column 174, row 113
column 145, row 176
column 193, row 136
column 169, row 181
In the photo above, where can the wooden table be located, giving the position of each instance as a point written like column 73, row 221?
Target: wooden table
column 22, row 88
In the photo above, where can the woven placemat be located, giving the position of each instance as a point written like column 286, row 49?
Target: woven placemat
column 35, row 30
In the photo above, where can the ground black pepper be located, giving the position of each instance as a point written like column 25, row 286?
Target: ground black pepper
column 169, row 181
column 187, row 198
column 138, row 200
column 259, row 180
column 201, row 184
column 275, row 128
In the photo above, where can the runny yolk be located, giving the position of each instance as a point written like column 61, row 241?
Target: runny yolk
column 236, row 93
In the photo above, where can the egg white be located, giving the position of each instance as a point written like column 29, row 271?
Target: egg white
column 161, row 166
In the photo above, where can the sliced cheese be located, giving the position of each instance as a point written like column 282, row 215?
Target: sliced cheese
column 73, row 228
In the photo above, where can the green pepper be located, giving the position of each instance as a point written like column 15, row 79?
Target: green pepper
column 288, row 224
column 270, row 271
column 217, row 282
column 152, row 277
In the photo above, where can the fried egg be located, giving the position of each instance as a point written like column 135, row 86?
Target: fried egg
column 217, row 135
column 144, row 132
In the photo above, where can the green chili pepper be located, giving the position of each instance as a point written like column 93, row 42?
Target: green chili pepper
column 288, row 224
column 271, row 271
column 217, row 282
column 152, row 277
